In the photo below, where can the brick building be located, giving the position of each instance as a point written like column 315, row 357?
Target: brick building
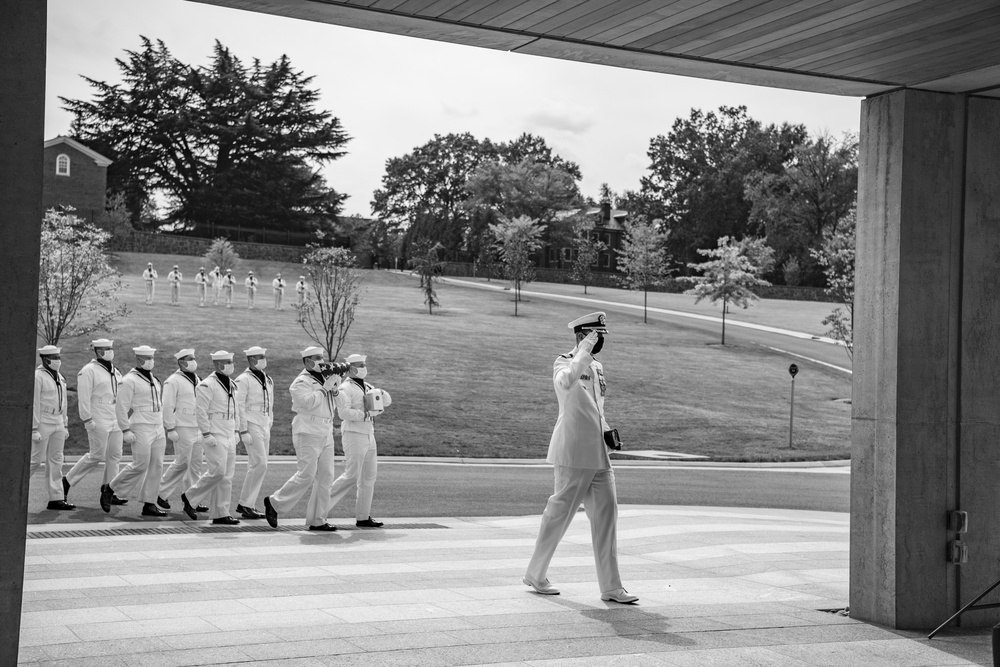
column 608, row 226
column 74, row 176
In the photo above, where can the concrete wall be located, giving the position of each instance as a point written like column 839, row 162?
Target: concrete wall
column 22, row 112
column 83, row 189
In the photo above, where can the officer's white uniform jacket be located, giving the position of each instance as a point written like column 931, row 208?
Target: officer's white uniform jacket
column 278, row 284
column 49, row 404
column 351, row 407
column 313, row 407
column 149, row 275
column 300, row 287
column 200, row 278
column 97, row 392
column 228, row 280
column 216, row 278
column 140, row 401
column 250, row 283
column 217, row 409
column 174, row 277
column 257, row 398
column 578, row 438
column 179, row 400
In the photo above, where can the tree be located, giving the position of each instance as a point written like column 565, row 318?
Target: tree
column 224, row 143
column 78, row 290
column 588, row 248
column 643, row 257
column 697, row 173
column 333, row 297
column 427, row 266
column 731, row 274
column 222, row 254
column 795, row 208
column 837, row 259
column 516, row 239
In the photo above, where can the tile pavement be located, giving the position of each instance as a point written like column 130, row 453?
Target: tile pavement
column 718, row 586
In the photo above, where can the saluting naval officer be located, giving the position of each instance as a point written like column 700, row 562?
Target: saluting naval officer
column 181, row 425
column 358, row 436
column 257, row 396
column 97, row 391
column 278, row 287
column 313, row 402
column 217, row 406
column 139, row 409
column 174, row 278
column 149, row 275
column 201, row 280
column 581, row 463
column 49, row 419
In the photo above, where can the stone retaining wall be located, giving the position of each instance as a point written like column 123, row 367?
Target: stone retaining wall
column 170, row 244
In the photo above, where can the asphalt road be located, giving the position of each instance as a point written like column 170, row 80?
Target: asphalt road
column 438, row 490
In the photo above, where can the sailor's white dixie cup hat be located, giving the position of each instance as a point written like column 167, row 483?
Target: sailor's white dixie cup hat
column 102, row 342
column 357, row 359
column 311, row 351
column 222, row 355
column 256, row 351
column 144, row 350
column 592, row 322
column 49, row 349
column 183, row 353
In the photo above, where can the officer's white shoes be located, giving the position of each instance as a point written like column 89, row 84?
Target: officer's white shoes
column 619, row 595
column 541, row 587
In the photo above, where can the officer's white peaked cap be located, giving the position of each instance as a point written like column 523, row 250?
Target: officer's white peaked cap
column 49, row 349
column 357, row 358
column 255, row 351
column 302, row 277
column 102, row 342
column 144, row 350
column 222, row 355
column 185, row 352
column 593, row 321
column 311, row 351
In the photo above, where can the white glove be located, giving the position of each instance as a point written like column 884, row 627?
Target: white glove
column 588, row 343
column 128, row 437
column 332, row 382
column 89, row 425
column 172, row 435
column 246, row 438
column 36, row 436
column 208, row 440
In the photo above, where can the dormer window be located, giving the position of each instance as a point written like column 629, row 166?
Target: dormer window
column 62, row 165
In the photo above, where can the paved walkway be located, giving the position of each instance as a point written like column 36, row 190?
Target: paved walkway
column 717, row 587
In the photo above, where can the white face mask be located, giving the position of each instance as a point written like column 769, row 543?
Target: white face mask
column 228, row 369
column 261, row 364
column 147, row 365
column 314, row 364
column 360, row 373
column 108, row 355
column 190, row 366
column 55, row 364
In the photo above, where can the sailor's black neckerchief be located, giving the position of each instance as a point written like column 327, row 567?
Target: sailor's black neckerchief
column 227, row 384
column 110, row 368
column 151, row 381
column 261, row 377
column 59, row 388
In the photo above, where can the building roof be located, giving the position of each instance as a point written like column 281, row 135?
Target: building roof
column 841, row 47
column 99, row 159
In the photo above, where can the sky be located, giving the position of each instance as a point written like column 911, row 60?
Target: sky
column 394, row 93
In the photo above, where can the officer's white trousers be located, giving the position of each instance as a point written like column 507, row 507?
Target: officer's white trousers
column 360, row 470
column 49, row 450
column 251, row 296
column 216, row 289
column 150, row 291
column 175, row 293
column 105, row 440
column 202, row 289
column 256, row 463
column 216, row 484
column 147, row 464
column 229, row 296
column 596, row 490
column 277, row 299
column 186, row 466
column 315, row 473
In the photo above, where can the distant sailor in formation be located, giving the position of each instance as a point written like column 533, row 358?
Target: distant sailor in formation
column 139, row 409
column 251, row 284
column 174, row 278
column 313, row 402
column 358, row 405
column 216, row 276
column 218, row 408
column 49, row 424
column 300, row 292
column 201, row 280
column 228, row 284
column 181, row 425
column 278, row 287
column 149, row 275
column 582, row 467
column 97, row 392
column 257, row 396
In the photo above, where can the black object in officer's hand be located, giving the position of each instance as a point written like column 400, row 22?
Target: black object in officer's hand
column 612, row 440
column 327, row 369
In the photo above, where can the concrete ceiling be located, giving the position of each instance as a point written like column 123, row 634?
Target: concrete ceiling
column 841, row 47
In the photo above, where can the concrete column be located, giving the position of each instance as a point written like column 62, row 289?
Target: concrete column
column 22, row 114
column 926, row 407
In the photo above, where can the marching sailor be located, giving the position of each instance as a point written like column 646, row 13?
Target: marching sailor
column 216, row 276
column 139, row 409
column 174, row 278
column 360, row 402
column 49, row 419
column 201, row 280
column 149, row 275
column 217, row 407
column 181, row 426
column 97, row 391
column 251, row 284
column 278, row 287
column 581, row 464
column 313, row 396
column 257, row 396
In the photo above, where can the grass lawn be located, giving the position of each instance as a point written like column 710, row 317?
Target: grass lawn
column 473, row 380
